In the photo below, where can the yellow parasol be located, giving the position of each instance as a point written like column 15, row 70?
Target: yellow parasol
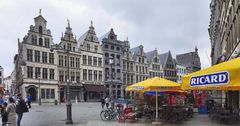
column 224, row 76
column 157, row 84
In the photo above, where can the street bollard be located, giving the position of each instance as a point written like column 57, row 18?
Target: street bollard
column 55, row 102
column 76, row 100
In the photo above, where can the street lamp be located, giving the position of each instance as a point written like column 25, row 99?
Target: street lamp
column 111, row 74
column 69, row 104
column 39, row 91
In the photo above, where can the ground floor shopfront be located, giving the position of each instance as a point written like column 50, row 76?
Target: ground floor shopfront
column 47, row 92
column 83, row 93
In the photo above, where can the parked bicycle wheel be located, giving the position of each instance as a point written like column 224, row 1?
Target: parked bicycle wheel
column 105, row 115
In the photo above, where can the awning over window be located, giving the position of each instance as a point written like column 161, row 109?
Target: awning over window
column 94, row 88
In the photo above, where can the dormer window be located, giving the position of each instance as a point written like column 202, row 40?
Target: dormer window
column 40, row 40
column 40, row 29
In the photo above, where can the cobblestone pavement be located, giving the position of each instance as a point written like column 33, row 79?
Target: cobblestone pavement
column 88, row 114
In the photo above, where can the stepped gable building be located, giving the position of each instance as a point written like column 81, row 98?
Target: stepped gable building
column 181, row 70
column 112, row 47
column 91, row 65
column 191, row 60
column 155, row 66
column 128, row 65
column 141, row 64
column 168, row 65
column 37, row 65
column 68, row 46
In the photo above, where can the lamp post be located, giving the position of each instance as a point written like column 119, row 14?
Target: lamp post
column 111, row 74
column 69, row 104
column 39, row 91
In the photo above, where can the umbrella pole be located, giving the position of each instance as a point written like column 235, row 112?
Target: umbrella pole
column 156, row 106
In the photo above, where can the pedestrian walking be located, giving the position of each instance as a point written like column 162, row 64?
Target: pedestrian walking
column 21, row 108
column 103, row 102
column 29, row 100
column 11, row 112
column 1, row 100
column 107, row 101
column 4, row 114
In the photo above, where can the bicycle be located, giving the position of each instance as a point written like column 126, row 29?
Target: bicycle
column 110, row 114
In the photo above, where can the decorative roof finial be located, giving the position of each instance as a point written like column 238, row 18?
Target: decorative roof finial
column 68, row 22
column 91, row 23
column 196, row 49
column 40, row 11
column 127, row 38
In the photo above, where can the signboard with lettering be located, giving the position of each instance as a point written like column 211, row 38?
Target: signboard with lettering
column 219, row 78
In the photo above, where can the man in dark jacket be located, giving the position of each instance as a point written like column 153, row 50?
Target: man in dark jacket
column 21, row 107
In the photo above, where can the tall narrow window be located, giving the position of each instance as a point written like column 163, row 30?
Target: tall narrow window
column 51, row 58
column 60, row 62
column 90, row 75
column 37, row 72
column 94, row 61
column 44, row 57
column 96, row 48
column 84, row 74
column 29, row 72
column 45, row 73
column 40, row 41
column 37, row 56
column 51, row 74
column 89, row 60
column 95, row 75
column 34, row 39
column 40, row 29
column 88, row 47
column 99, row 61
column 77, row 63
column 29, row 55
column 46, row 42
column 72, row 76
column 100, row 76
column 61, row 76
column 84, row 59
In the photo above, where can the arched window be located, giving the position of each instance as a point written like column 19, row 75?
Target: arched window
column 40, row 29
column 40, row 41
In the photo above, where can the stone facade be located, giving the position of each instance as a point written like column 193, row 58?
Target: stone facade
column 169, row 68
column 128, row 66
column 141, row 63
column 155, row 66
column 224, row 32
column 91, row 64
column 112, row 47
column 90, row 72
column 191, row 60
column 39, row 67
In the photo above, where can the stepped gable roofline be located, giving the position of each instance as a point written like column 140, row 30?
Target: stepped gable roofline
column 163, row 58
column 40, row 16
column 68, row 35
column 108, row 35
column 90, row 31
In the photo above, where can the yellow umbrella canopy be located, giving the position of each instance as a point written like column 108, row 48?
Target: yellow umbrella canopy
column 224, row 76
column 155, row 83
column 140, row 86
column 161, row 84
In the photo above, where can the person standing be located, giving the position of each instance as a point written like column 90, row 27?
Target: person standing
column 4, row 114
column 21, row 108
column 107, row 101
column 1, row 100
column 11, row 111
column 29, row 100
column 103, row 102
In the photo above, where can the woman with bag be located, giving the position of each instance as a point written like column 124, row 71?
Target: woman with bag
column 11, row 111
